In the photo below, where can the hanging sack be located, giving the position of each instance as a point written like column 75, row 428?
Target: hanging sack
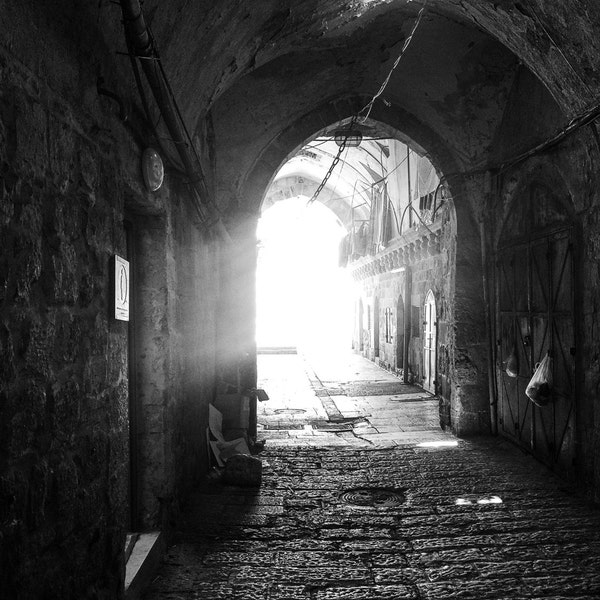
column 539, row 389
column 512, row 364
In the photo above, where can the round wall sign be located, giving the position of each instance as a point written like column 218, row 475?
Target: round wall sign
column 152, row 169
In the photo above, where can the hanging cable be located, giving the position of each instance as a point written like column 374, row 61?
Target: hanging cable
column 559, row 50
column 336, row 160
column 369, row 106
column 385, row 177
column 407, row 41
column 343, row 160
column 176, row 164
column 144, row 48
column 419, row 217
column 395, row 213
column 175, row 104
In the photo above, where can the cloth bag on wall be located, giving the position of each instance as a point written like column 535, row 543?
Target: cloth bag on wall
column 512, row 364
column 539, row 388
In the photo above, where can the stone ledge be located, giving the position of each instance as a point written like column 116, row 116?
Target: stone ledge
column 143, row 563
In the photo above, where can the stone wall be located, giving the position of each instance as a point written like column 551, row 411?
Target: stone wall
column 64, row 361
column 567, row 170
column 409, row 268
column 69, row 178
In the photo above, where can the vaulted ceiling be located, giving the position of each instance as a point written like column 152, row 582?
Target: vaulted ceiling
column 270, row 75
column 255, row 80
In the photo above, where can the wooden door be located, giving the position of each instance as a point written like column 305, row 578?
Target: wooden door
column 535, row 316
column 400, row 326
column 430, row 343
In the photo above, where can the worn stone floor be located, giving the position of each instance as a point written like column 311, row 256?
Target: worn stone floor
column 364, row 497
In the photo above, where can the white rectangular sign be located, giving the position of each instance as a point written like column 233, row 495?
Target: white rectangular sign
column 121, row 289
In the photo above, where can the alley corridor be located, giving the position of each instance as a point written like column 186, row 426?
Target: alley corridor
column 365, row 497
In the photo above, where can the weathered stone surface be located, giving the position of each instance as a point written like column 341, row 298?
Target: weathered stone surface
column 69, row 171
column 66, row 167
column 426, row 554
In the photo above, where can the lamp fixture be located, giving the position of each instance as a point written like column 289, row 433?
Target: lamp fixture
column 350, row 138
column 152, row 169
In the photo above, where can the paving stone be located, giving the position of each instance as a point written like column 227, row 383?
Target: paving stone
column 239, row 558
column 294, row 538
column 378, row 592
column 474, row 590
column 289, row 592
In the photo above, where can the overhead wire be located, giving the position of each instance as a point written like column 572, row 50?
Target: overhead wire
column 339, row 174
column 370, row 104
column 175, row 163
column 588, row 117
column 406, row 44
column 559, row 50
column 199, row 178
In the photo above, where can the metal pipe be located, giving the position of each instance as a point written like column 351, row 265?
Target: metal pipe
column 141, row 42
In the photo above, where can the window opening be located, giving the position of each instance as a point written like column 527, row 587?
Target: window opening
column 388, row 326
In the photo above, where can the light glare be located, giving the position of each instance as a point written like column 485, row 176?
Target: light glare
column 438, row 444
column 484, row 500
column 304, row 298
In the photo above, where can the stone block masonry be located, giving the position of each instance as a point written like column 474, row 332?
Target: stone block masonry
column 63, row 386
column 479, row 520
column 69, row 178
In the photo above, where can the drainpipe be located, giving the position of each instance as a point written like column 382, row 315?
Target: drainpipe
column 141, row 42
column 492, row 391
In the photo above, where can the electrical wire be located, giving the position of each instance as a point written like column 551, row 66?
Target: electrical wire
column 370, row 104
column 176, row 164
column 336, row 160
column 395, row 217
column 407, row 41
column 419, row 217
column 175, row 103
column 559, row 50
column 385, row 177
column 339, row 174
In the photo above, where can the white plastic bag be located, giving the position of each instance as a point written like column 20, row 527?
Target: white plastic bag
column 539, row 389
column 512, row 364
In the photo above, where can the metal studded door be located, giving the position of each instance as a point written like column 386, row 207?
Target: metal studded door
column 535, row 315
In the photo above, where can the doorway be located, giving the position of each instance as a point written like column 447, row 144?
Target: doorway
column 400, row 333
column 535, row 317
column 361, row 310
column 430, row 343
column 376, row 327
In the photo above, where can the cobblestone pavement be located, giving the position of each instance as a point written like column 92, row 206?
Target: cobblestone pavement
column 405, row 517
column 348, row 401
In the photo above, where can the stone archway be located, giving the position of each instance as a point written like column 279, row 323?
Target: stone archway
column 466, row 376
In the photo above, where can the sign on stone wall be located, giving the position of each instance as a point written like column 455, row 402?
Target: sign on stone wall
column 121, row 288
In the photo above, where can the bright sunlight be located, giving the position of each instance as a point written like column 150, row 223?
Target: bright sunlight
column 304, row 299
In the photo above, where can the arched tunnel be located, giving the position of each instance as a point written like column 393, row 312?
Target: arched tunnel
column 455, row 143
